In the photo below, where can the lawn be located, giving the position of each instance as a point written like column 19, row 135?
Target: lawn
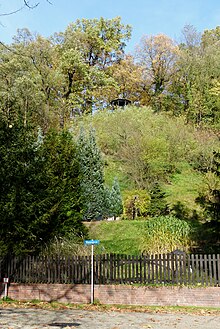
column 121, row 237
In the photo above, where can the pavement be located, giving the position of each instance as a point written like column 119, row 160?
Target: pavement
column 30, row 318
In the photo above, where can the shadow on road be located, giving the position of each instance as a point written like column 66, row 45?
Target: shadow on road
column 64, row 325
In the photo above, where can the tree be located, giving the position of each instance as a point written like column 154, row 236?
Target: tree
column 87, row 48
column 129, row 80
column 158, row 205
column 210, row 37
column 191, row 38
column 27, row 81
column 209, row 200
column 39, row 189
column 91, row 177
column 136, row 203
column 100, row 41
column 116, row 205
column 157, row 55
column 193, row 88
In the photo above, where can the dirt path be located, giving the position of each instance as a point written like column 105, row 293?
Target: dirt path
column 14, row 318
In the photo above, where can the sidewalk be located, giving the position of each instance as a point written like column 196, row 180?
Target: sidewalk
column 14, row 318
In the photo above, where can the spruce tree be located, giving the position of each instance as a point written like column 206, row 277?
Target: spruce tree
column 158, row 205
column 91, row 177
column 209, row 200
column 116, row 206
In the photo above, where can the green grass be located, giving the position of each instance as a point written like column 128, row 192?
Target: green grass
column 121, row 237
column 185, row 189
column 132, row 237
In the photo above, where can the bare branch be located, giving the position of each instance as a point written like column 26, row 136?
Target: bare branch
column 29, row 6
column 26, row 4
column 13, row 12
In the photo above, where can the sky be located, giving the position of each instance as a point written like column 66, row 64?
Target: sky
column 147, row 17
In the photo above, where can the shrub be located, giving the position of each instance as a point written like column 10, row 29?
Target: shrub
column 136, row 203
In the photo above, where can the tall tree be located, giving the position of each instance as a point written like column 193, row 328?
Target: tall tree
column 129, row 80
column 157, row 55
column 194, row 88
column 91, row 177
column 28, row 83
column 39, row 189
column 88, row 47
column 100, row 41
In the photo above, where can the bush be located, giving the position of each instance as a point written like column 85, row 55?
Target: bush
column 136, row 203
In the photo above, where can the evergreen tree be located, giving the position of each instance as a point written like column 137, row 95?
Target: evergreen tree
column 39, row 189
column 91, row 177
column 158, row 205
column 116, row 206
column 209, row 199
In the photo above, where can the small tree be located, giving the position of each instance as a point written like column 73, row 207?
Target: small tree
column 209, row 199
column 116, row 206
column 158, row 205
column 136, row 203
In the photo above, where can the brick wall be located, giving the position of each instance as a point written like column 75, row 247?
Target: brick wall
column 117, row 294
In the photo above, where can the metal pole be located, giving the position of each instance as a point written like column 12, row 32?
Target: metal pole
column 92, row 276
column 6, row 290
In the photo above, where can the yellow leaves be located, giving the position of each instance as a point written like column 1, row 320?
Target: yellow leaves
column 215, row 90
column 156, row 47
column 136, row 203
column 211, row 183
column 157, row 55
column 129, row 77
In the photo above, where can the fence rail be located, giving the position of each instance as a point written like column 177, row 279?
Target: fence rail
column 115, row 269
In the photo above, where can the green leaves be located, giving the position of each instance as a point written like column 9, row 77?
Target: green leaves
column 101, row 41
column 39, row 189
column 209, row 197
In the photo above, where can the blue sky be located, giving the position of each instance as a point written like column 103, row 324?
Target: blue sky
column 145, row 16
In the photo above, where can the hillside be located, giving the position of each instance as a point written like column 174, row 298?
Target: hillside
column 148, row 151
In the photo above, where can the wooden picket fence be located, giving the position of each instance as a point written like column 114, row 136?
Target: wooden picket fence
column 187, row 269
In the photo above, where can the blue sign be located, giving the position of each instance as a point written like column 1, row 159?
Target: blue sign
column 91, row 242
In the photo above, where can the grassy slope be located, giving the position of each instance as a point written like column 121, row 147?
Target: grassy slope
column 123, row 237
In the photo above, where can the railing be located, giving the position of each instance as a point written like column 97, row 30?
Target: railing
column 115, row 269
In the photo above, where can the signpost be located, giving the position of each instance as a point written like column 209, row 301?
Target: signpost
column 6, row 281
column 92, row 243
